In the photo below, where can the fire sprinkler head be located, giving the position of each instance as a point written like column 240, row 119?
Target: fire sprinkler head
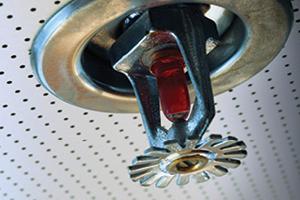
column 170, row 53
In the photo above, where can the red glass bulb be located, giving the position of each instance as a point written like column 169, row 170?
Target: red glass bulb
column 168, row 68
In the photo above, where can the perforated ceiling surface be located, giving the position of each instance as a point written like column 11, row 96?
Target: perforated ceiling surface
column 53, row 150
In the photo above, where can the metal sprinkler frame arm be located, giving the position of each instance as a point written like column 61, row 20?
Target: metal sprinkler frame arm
column 189, row 29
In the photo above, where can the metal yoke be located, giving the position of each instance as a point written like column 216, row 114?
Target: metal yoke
column 190, row 30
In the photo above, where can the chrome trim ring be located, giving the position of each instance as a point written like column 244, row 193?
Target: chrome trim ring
column 57, row 48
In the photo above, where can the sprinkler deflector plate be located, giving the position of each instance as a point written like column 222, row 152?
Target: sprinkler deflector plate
column 57, row 49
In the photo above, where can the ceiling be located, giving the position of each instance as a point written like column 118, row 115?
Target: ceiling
column 52, row 150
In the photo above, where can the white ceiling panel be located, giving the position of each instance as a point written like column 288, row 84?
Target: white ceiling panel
column 52, row 150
